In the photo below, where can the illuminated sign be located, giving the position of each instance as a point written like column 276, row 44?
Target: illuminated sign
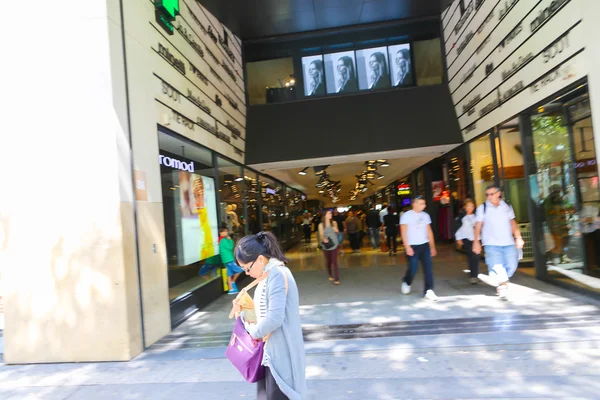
column 404, row 189
column 166, row 11
column 175, row 164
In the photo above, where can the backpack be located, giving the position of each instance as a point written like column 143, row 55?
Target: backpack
column 458, row 222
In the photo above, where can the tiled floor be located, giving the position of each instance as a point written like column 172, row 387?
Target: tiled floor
column 370, row 293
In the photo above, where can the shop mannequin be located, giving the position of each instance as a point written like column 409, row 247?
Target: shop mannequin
column 232, row 218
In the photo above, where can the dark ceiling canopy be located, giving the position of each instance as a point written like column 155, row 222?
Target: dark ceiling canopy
column 252, row 19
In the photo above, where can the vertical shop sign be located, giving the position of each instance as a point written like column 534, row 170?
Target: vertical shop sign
column 166, row 11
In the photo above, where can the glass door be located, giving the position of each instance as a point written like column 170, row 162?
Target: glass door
column 554, row 187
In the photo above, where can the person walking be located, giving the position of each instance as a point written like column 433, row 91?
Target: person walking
column 340, row 220
column 465, row 235
column 306, row 227
column 353, row 227
column 497, row 229
column 391, row 223
column 277, row 308
column 373, row 224
column 419, row 244
column 328, row 235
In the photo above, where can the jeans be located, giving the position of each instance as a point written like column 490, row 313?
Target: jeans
column 423, row 253
column 341, row 239
column 502, row 261
column 472, row 257
column 331, row 258
column 392, row 241
column 354, row 240
column 374, row 234
column 306, row 229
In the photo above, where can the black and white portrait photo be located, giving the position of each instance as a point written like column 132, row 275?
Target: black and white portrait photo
column 373, row 70
column 401, row 65
column 340, row 72
column 314, row 77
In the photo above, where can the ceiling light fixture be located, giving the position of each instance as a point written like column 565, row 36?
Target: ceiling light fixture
column 239, row 179
column 303, row 172
column 385, row 164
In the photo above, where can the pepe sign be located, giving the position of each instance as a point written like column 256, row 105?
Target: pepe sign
column 166, row 11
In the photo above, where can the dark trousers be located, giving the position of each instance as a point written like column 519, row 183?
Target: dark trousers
column 472, row 257
column 391, row 240
column 331, row 258
column 306, row 229
column 354, row 240
column 268, row 389
column 423, row 253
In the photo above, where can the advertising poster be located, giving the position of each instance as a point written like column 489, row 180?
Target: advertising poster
column 373, row 71
column 400, row 65
column 199, row 224
column 314, row 76
column 340, row 72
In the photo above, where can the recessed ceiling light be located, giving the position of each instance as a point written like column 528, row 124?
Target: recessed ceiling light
column 239, row 179
column 303, row 172
column 385, row 164
column 380, row 177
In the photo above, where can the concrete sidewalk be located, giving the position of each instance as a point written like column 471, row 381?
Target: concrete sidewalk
column 558, row 358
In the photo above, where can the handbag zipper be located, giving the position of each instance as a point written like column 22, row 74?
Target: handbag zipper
column 240, row 342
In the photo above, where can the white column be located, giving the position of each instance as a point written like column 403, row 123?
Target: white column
column 590, row 10
column 68, row 248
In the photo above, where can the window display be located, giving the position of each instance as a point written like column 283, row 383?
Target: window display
column 340, row 72
column 231, row 189
column 373, row 68
column 190, row 213
column 314, row 76
column 401, row 65
column 482, row 166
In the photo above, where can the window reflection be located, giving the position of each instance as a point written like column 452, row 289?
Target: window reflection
column 482, row 167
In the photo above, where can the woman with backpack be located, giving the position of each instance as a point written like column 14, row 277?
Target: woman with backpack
column 465, row 234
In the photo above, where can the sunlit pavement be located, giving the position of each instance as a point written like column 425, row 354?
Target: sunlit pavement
column 542, row 344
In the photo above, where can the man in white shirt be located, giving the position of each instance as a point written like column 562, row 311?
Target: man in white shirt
column 383, row 213
column 501, row 238
column 419, row 244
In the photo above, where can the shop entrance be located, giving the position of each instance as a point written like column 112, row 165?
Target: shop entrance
column 563, row 190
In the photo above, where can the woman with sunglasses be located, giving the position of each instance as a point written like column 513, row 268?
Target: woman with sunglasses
column 277, row 307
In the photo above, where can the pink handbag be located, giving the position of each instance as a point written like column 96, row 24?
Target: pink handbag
column 244, row 352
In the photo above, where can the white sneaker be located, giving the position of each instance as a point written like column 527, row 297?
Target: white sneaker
column 405, row 288
column 502, row 292
column 429, row 295
column 488, row 279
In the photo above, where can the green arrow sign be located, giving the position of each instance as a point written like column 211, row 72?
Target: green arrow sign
column 169, row 7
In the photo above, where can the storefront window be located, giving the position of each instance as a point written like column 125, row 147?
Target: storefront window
column 511, row 169
column 271, row 81
column 231, row 188
column 428, row 62
column 482, row 166
column 554, row 188
column 459, row 177
column 190, row 214
column 586, row 171
column 252, row 200
column 273, row 207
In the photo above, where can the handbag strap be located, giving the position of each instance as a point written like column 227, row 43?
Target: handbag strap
column 245, row 290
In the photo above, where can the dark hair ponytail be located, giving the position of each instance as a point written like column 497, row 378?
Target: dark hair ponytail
column 262, row 244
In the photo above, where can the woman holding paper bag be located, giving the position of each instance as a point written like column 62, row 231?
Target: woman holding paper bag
column 277, row 309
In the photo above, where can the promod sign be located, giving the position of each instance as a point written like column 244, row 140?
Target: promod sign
column 166, row 11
